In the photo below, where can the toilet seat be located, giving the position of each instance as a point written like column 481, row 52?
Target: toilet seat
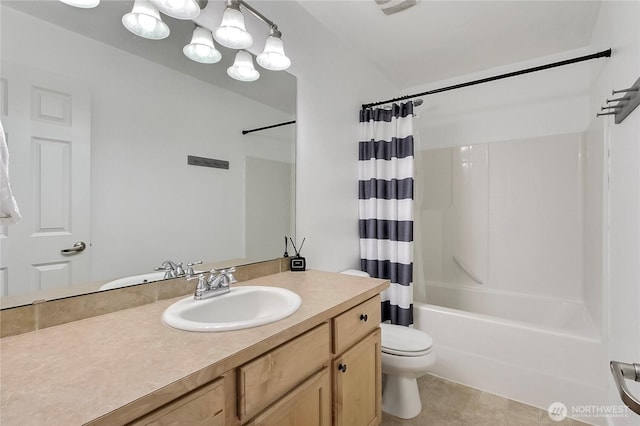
column 405, row 341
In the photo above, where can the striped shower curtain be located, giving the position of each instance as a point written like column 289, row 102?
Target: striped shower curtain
column 386, row 205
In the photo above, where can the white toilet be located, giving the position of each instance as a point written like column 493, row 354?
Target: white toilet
column 407, row 354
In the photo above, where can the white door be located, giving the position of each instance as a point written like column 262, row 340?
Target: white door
column 46, row 118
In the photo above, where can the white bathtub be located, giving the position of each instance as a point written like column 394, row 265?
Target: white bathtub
column 545, row 313
column 529, row 349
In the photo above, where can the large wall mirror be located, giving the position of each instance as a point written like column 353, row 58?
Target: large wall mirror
column 99, row 125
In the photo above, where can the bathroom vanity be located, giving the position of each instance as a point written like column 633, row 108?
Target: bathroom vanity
column 319, row 366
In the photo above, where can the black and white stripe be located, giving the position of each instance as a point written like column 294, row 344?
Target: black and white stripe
column 386, row 169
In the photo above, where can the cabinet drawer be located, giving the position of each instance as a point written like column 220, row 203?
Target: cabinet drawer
column 204, row 406
column 353, row 325
column 267, row 378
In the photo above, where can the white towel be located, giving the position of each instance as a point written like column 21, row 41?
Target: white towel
column 9, row 212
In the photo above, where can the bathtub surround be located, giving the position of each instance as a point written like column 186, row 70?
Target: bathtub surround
column 512, row 211
column 386, row 205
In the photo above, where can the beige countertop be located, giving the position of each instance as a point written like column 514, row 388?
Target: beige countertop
column 74, row 373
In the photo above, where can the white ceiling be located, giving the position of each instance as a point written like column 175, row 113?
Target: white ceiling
column 434, row 40
column 437, row 40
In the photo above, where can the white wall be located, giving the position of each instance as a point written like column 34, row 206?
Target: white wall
column 593, row 166
column 269, row 188
column 550, row 102
column 148, row 204
column 333, row 82
column 618, row 26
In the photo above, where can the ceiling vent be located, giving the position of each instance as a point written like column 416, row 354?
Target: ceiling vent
column 389, row 7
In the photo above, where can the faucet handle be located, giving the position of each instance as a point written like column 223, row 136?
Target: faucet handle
column 201, row 287
column 227, row 276
column 168, row 271
column 190, row 266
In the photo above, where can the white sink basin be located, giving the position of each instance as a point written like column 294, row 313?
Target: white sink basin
column 243, row 307
column 133, row 280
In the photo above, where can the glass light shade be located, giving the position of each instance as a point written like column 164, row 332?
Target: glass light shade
column 273, row 57
column 144, row 21
column 242, row 68
column 201, row 49
column 85, row 4
column 231, row 33
column 179, row 9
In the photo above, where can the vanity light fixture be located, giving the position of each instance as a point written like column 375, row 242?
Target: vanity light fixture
column 179, row 9
column 242, row 68
column 144, row 21
column 201, row 49
column 273, row 57
column 84, row 4
column 231, row 33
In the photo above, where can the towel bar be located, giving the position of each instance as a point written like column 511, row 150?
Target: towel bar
column 622, row 371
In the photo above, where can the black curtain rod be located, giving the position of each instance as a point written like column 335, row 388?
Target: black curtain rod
column 244, row 132
column 604, row 53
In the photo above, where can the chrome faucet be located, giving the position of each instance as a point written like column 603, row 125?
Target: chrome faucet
column 217, row 284
column 169, row 269
column 174, row 270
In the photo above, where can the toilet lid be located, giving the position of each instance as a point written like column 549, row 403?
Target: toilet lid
column 406, row 341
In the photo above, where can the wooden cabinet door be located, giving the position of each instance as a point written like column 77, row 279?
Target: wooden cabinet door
column 357, row 385
column 267, row 378
column 309, row 404
column 202, row 407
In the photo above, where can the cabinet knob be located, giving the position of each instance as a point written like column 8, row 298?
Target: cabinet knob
column 364, row 317
column 342, row 367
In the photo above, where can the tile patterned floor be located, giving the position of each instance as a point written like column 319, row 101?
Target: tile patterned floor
column 445, row 403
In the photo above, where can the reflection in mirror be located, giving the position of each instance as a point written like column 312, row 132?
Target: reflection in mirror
column 99, row 125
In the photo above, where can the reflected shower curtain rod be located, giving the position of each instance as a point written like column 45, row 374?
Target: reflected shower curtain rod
column 602, row 54
column 286, row 123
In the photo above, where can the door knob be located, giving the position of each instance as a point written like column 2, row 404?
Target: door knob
column 77, row 248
